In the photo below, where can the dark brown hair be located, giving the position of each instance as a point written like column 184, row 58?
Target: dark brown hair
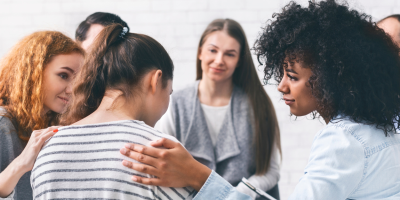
column 21, row 79
column 102, row 18
column 117, row 62
column 245, row 77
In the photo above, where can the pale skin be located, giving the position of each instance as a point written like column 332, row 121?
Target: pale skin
column 392, row 27
column 57, row 80
column 179, row 166
column 91, row 34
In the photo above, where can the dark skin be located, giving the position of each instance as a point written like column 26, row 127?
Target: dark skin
column 166, row 164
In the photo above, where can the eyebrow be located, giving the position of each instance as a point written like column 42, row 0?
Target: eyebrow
column 69, row 69
column 230, row 50
column 291, row 70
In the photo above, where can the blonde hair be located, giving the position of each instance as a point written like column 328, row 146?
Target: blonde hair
column 21, row 79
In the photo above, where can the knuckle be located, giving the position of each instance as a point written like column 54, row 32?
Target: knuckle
column 163, row 154
column 143, row 168
column 163, row 165
column 140, row 158
column 142, row 149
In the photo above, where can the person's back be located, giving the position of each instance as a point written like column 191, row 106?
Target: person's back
column 83, row 161
column 121, row 92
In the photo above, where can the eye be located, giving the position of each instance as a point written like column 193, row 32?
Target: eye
column 213, row 51
column 231, row 55
column 63, row 76
column 291, row 77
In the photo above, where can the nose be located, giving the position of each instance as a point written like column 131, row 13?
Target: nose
column 219, row 59
column 283, row 87
column 68, row 89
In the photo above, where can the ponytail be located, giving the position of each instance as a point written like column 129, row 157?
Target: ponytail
column 117, row 60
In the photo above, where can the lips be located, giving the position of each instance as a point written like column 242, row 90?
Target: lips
column 288, row 101
column 64, row 99
column 217, row 69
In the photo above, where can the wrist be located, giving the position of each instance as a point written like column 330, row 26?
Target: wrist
column 200, row 176
column 17, row 167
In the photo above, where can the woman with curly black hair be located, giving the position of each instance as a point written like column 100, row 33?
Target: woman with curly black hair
column 333, row 62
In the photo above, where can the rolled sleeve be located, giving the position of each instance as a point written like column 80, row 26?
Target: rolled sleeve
column 335, row 167
column 218, row 188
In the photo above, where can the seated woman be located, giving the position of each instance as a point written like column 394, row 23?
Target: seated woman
column 328, row 60
column 35, row 86
column 121, row 92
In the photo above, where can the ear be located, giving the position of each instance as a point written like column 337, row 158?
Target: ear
column 156, row 80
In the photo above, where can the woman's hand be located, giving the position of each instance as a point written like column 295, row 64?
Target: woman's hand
column 173, row 166
column 25, row 161
column 27, row 158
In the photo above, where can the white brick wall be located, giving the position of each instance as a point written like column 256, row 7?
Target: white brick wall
column 178, row 24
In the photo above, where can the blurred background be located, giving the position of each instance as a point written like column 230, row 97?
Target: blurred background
column 177, row 25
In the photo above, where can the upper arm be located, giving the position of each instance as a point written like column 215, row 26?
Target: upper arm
column 7, row 137
column 335, row 166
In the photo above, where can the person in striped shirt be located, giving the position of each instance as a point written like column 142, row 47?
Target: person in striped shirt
column 119, row 95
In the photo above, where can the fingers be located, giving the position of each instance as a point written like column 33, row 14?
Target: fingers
column 147, row 181
column 139, row 157
column 149, row 151
column 140, row 167
column 163, row 142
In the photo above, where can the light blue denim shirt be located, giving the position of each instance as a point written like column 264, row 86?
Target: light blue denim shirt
column 348, row 160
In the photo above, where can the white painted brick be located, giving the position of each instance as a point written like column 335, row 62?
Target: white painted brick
column 203, row 16
column 380, row 12
column 137, row 5
column 161, row 5
column 242, row 16
column 16, row 21
column 52, row 7
column 49, row 20
column 26, row 7
column 189, row 5
column 227, row 5
column 262, row 4
column 151, row 18
column 72, row 7
column 184, row 30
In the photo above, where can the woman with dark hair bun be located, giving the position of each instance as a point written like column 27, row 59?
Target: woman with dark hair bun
column 335, row 63
column 93, row 25
column 121, row 92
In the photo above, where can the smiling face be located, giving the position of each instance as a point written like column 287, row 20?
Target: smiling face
column 296, row 90
column 219, row 56
column 57, row 80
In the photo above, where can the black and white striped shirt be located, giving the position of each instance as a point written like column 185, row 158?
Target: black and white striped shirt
column 84, row 162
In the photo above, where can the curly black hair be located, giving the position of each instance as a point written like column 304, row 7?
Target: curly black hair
column 355, row 64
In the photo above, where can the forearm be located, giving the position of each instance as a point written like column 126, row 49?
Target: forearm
column 199, row 176
column 10, row 177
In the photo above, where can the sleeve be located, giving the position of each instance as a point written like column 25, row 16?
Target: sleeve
column 7, row 153
column 266, row 181
column 335, row 167
column 217, row 187
column 166, row 123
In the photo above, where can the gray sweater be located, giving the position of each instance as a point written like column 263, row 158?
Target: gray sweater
column 11, row 146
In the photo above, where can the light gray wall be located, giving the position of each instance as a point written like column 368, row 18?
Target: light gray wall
column 177, row 25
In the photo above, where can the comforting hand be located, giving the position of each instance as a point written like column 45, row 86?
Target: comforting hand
column 173, row 166
column 25, row 161
column 27, row 158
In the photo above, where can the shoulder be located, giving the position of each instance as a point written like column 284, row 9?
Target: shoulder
column 6, row 125
column 186, row 92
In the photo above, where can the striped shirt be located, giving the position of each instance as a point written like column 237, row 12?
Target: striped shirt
column 84, row 162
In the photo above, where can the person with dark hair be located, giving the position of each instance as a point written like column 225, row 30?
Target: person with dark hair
column 391, row 25
column 336, row 63
column 121, row 92
column 219, row 118
column 93, row 25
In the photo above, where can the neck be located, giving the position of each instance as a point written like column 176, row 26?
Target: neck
column 113, row 107
column 215, row 93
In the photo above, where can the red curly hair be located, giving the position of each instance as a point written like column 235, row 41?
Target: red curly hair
column 21, row 79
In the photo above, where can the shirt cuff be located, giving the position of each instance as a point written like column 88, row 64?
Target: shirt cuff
column 9, row 197
column 217, row 187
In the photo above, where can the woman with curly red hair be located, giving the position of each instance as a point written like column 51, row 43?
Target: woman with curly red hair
column 35, row 84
